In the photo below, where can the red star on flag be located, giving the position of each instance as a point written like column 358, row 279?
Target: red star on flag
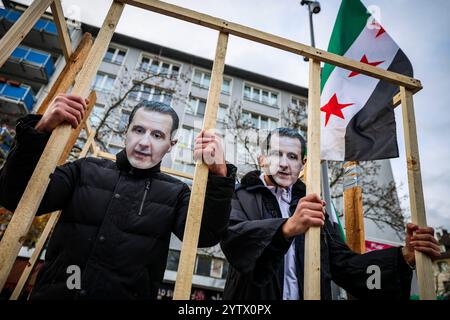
column 364, row 60
column 379, row 27
column 333, row 107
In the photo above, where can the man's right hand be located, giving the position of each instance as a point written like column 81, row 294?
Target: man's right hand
column 64, row 108
column 309, row 213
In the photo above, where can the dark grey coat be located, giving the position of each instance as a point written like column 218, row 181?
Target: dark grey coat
column 116, row 220
column 255, row 248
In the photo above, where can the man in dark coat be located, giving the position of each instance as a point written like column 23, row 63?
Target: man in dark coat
column 265, row 240
column 117, row 217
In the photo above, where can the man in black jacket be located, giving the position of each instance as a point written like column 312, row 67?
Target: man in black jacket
column 117, row 217
column 265, row 239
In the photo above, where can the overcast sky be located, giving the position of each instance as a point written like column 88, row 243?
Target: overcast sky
column 419, row 27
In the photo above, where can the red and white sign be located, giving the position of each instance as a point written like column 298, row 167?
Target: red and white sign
column 372, row 245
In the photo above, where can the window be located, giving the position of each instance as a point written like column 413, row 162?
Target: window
column 114, row 55
column 257, row 121
column 158, row 66
column 123, row 120
column 97, row 115
column 245, row 157
column 225, row 270
column 196, row 107
column 203, row 79
column 260, row 95
column 222, row 113
column 172, row 260
column 216, row 268
column 187, row 136
column 150, row 93
column 203, row 267
column 103, row 82
column 298, row 103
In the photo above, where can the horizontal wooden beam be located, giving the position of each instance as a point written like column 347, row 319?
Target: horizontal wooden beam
column 273, row 41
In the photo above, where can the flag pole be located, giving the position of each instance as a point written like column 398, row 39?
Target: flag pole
column 353, row 207
column 326, row 195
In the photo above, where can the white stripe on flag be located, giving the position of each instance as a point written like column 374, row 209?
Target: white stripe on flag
column 356, row 90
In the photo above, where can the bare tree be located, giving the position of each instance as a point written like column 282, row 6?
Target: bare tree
column 245, row 135
column 131, row 87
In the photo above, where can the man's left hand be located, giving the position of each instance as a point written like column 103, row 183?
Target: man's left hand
column 209, row 148
column 422, row 240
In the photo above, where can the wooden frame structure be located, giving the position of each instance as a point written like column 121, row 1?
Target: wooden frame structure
column 22, row 218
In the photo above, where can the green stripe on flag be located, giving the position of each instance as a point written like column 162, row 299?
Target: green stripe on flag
column 341, row 229
column 351, row 20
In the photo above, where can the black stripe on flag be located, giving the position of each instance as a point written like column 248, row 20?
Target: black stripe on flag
column 371, row 134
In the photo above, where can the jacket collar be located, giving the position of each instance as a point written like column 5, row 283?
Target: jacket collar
column 251, row 181
column 124, row 165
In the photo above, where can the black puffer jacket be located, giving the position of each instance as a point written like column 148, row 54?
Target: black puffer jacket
column 116, row 220
column 255, row 248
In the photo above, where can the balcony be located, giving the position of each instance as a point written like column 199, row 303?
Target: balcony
column 30, row 64
column 15, row 99
column 44, row 34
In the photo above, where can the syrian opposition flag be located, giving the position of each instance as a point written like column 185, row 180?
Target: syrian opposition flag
column 357, row 118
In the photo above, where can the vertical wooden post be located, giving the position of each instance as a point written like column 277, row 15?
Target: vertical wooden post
column 61, row 26
column 424, row 267
column 35, row 190
column 312, row 237
column 54, row 216
column 20, row 29
column 354, row 214
column 194, row 216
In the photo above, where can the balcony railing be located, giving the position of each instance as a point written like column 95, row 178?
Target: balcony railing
column 15, row 98
column 30, row 64
column 44, row 34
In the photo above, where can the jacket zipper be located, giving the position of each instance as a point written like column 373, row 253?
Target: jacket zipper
column 147, row 187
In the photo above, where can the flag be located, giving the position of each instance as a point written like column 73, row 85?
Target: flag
column 357, row 118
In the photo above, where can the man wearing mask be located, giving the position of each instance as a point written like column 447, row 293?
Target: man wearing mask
column 265, row 240
column 117, row 217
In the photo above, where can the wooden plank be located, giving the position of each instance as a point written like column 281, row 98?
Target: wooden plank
column 75, row 133
column 353, row 208
column 61, row 26
column 87, row 145
column 93, row 146
column 20, row 29
column 55, row 215
column 424, row 265
column 273, row 41
column 177, row 173
column 312, row 237
column 69, row 72
column 20, row 223
column 183, row 282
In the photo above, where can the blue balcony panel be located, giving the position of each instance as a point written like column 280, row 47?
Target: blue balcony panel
column 44, row 34
column 30, row 64
column 16, row 100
